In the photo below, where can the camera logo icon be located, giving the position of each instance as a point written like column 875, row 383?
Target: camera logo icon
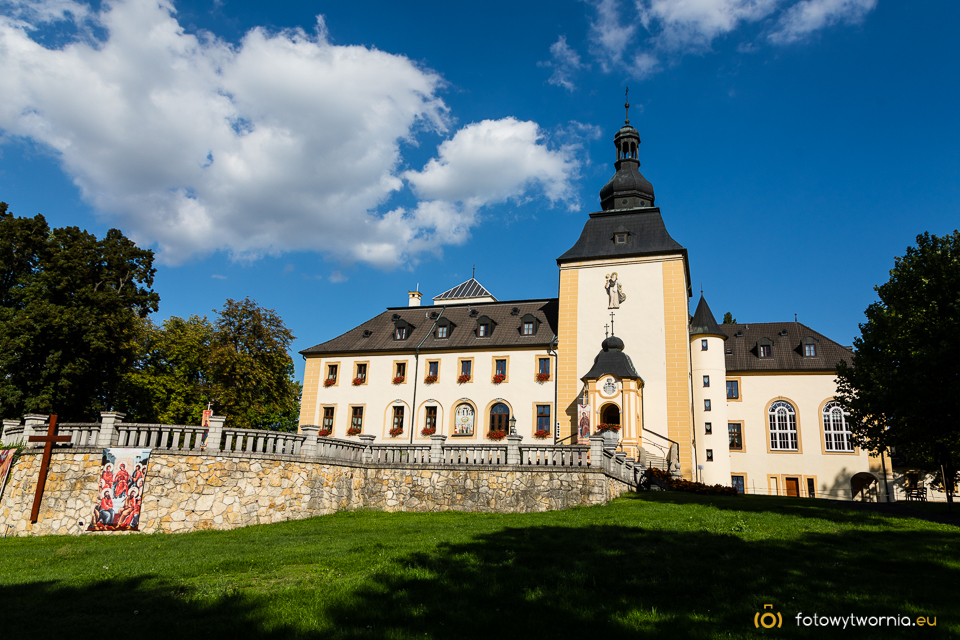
column 767, row 619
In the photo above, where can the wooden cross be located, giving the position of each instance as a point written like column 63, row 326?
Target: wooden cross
column 49, row 439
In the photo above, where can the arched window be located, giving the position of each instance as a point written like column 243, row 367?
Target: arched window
column 610, row 414
column 836, row 432
column 499, row 416
column 783, row 426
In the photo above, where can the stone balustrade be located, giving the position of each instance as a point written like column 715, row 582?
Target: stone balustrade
column 82, row 434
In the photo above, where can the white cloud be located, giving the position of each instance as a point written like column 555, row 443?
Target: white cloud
column 217, row 276
column 675, row 28
column 805, row 17
column 337, row 277
column 281, row 142
column 565, row 63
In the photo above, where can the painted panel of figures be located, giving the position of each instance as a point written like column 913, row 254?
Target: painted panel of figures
column 120, row 490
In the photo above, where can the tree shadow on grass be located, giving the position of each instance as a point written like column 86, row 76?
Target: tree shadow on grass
column 542, row 582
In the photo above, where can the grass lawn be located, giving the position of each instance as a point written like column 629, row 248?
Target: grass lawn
column 664, row 565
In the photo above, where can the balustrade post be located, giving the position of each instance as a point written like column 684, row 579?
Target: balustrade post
column 596, row 451
column 34, row 424
column 620, row 458
column 367, row 440
column 309, row 447
column 8, row 427
column 215, row 434
column 109, row 436
column 513, row 449
column 436, row 448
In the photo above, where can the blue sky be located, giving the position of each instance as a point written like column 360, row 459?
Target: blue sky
column 324, row 158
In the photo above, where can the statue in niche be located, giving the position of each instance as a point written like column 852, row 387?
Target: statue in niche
column 615, row 293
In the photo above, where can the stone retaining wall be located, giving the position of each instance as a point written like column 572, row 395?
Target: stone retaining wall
column 226, row 491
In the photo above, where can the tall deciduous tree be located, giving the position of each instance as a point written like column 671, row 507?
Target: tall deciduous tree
column 70, row 311
column 904, row 387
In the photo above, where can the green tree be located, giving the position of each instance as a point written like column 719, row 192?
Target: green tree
column 728, row 318
column 70, row 311
column 251, row 370
column 903, row 389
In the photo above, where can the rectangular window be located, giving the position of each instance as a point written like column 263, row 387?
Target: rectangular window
column 706, row 381
column 708, row 427
column 543, row 417
column 356, row 418
column 331, row 372
column 543, row 366
column 709, row 455
column 362, row 371
column 733, row 389
column 528, row 328
column 764, row 351
column 442, row 331
column 433, row 368
column 483, row 330
column 501, row 367
column 736, row 436
column 398, row 417
column 401, row 370
column 706, row 405
column 703, row 345
column 401, row 333
column 810, row 350
column 621, row 238
column 466, row 367
column 737, row 483
column 328, row 418
column 431, row 419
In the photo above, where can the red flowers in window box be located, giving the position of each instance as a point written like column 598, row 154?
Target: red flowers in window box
column 496, row 435
column 399, row 379
column 463, row 377
column 430, row 379
column 542, row 434
column 353, row 431
column 497, row 379
column 396, row 431
column 428, row 431
column 607, row 426
column 542, row 377
column 358, row 381
column 329, row 382
column 324, row 432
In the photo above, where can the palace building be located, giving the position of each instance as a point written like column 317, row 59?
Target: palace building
column 747, row 405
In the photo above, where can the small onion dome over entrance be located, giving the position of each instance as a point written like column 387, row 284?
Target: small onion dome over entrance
column 612, row 361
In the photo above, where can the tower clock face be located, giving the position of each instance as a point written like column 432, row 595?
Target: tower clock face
column 609, row 387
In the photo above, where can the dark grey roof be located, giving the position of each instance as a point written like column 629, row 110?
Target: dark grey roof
column 506, row 329
column 647, row 237
column 787, row 352
column 613, row 361
column 703, row 322
column 469, row 289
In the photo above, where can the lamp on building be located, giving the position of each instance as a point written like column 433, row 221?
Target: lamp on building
column 513, row 425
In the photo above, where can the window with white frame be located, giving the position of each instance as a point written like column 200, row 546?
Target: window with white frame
column 783, row 426
column 836, row 431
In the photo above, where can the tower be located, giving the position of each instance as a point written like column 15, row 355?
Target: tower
column 709, row 373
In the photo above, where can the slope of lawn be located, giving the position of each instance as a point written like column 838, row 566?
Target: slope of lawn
column 664, row 565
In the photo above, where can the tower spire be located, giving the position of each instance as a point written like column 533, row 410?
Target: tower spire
column 626, row 104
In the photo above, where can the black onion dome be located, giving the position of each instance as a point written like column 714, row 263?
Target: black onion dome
column 613, row 342
column 627, row 183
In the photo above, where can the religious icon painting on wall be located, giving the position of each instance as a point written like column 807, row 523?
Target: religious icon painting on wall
column 120, row 490
column 6, row 460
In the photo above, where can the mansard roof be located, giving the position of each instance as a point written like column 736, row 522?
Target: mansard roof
column 377, row 334
column 469, row 289
column 786, row 340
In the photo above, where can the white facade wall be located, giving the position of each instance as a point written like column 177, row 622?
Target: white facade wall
column 710, row 362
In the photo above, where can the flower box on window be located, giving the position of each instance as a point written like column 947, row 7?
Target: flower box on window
column 329, row 382
column 428, row 431
column 542, row 434
column 358, row 381
column 496, row 435
column 324, row 432
column 399, row 379
column 353, row 431
column 542, row 377
column 396, row 431
column 607, row 426
column 430, row 379
column 497, row 379
column 464, row 377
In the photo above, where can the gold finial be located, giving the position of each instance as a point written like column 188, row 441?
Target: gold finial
column 626, row 105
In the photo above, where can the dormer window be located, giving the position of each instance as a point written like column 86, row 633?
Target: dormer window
column 401, row 328
column 809, row 346
column 765, row 348
column 443, row 331
column 529, row 325
column 528, row 328
column 621, row 238
column 483, row 330
column 400, row 333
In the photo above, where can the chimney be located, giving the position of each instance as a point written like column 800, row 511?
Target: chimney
column 414, row 298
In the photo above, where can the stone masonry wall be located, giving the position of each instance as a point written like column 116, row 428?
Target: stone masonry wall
column 226, row 491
